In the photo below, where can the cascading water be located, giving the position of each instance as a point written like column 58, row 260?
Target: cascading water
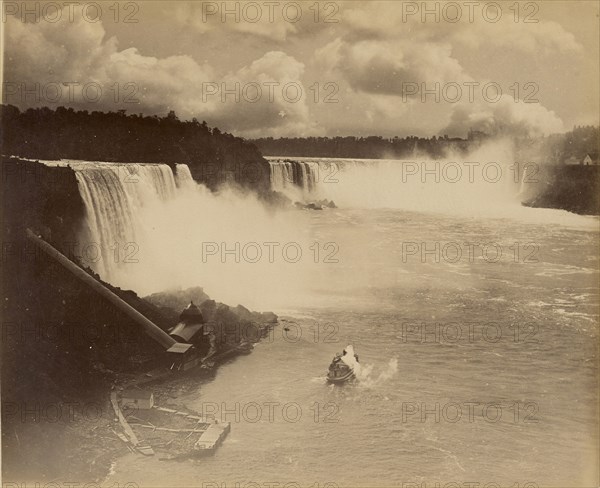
column 110, row 222
column 296, row 179
column 281, row 175
column 183, row 235
column 183, row 176
column 114, row 195
column 149, row 229
column 483, row 181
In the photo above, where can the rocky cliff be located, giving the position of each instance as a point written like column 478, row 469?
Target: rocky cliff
column 572, row 188
column 63, row 344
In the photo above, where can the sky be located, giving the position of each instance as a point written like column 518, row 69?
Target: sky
column 283, row 68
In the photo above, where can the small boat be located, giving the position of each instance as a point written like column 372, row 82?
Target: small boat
column 342, row 367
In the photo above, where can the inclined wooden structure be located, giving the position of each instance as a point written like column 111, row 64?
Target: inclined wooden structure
column 150, row 328
column 211, row 433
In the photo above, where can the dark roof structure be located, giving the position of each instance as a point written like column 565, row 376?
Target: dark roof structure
column 191, row 315
column 185, row 332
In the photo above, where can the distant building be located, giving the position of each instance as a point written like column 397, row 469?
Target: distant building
column 590, row 159
column 138, row 399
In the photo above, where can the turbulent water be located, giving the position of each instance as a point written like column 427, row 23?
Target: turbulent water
column 149, row 228
column 477, row 338
column 475, row 321
column 532, row 352
column 113, row 195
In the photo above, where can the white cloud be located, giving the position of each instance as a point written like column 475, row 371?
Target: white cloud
column 506, row 117
column 391, row 20
column 80, row 52
column 282, row 108
column 236, row 18
column 386, row 66
column 370, row 55
column 545, row 38
column 381, row 52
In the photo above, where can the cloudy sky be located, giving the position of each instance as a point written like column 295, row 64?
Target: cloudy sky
column 308, row 68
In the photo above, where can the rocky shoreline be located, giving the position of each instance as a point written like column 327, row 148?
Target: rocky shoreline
column 83, row 443
column 64, row 347
column 573, row 188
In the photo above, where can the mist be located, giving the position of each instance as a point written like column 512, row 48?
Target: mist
column 227, row 242
column 488, row 182
column 181, row 235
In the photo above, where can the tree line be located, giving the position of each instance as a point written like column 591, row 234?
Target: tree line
column 372, row 147
column 43, row 133
column 553, row 149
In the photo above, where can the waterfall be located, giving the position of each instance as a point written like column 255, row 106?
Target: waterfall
column 109, row 213
column 478, row 183
column 297, row 179
column 183, row 176
column 282, row 175
column 151, row 227
column 304, row 176
column 114, row 194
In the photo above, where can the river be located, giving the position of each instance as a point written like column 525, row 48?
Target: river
column 478, row 340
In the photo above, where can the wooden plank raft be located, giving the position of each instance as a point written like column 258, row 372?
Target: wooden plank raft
column 212, row 437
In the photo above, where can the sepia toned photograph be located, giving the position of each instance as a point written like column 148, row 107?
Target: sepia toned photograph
column 300, row 244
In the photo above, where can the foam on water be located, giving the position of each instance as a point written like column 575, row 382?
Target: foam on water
column 551, row 363
column 484, row 184
column 156, row 230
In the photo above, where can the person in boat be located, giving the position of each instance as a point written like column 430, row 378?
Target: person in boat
column 336, row 365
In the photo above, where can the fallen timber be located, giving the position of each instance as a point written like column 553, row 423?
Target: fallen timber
column 129, row 433
column 211, row 433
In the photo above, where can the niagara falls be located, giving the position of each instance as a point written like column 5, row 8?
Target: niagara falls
column 340, row 244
